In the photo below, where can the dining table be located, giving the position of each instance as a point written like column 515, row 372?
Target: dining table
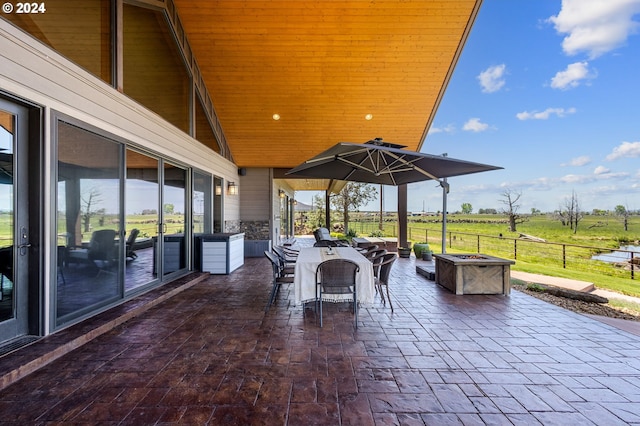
column 305, row 274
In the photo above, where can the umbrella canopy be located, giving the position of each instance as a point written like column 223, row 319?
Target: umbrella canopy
column 381, row 162
column 386, row 163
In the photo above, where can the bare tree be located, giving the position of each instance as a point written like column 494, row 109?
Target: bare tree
column 510, row 200
column 89, row 201
column 623, row 214
column 573, row 215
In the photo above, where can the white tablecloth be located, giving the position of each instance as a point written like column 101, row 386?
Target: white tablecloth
column 305, row 273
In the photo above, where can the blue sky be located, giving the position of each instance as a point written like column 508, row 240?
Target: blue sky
column 549, row 90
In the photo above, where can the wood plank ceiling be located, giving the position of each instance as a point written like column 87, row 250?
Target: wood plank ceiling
column 323, row 66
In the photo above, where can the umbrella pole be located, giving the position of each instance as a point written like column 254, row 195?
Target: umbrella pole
column 445, row 191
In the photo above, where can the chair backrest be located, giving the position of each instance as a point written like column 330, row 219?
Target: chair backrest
column 337, row 273
column 322, row 234
column 131, row 239
column 372, row 247
column 275, row 263
column 102, row 245
column 385, row 267
column 280, row 253
column 375, row 254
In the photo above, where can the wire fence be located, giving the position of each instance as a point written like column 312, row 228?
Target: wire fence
column 621, row 263
column 617, row 263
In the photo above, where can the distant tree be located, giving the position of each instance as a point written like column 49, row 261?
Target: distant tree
column 487, row 211
column 352, row 196
column 572, row 212
column 466, row 208
column 623, row 213
column 535, row 211
column 169, row 208
column 317, row 216
column 510, row 199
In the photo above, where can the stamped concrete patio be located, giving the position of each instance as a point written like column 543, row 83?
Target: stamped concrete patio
column 210, row 355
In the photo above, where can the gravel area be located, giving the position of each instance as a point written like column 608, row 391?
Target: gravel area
column 580, row 306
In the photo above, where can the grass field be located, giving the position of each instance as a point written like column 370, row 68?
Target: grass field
column 567, row 254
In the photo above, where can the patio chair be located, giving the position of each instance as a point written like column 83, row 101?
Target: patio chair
column 279, row 278
column 374, row 255
column 286, row 265
column 102, row 248
column 371, row 248
column 323, row 234
column 382, row 271
column 289, row 256
column 337, row 277
column 131, row 240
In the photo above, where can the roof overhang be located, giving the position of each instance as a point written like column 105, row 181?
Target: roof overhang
column 322, row 66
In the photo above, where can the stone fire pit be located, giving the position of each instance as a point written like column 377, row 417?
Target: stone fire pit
column 474, row 273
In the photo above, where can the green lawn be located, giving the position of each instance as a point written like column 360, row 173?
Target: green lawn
column 604, row 232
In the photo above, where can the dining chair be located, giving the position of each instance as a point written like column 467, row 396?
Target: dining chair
column 288, row 255
column 369, row 249
column 375, row 254
column 279, row 278
column 382, row 271
column 287, row 266
column 337, row 277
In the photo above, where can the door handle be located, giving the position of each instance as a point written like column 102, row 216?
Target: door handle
column 25, row 244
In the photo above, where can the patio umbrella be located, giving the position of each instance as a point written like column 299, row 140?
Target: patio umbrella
column 386, row 163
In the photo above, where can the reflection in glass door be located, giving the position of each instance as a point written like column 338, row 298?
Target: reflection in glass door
column 13, row 245
column 174, row 226
column 142, row 216
column 88, row 221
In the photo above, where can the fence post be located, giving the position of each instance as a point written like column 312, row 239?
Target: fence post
column 564, row 256
column 478, row 243
column 426, row 236
column 450, row 246
column 515, row 249
column 633, row 266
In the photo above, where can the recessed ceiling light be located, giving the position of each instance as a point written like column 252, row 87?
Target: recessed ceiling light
column 368, row 117
column 276, row 117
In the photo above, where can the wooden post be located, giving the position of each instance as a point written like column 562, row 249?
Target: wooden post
column 402, row 215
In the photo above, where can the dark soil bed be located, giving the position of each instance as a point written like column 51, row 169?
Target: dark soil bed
column 579, row 306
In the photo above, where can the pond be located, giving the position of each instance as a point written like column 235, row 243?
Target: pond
column 621, row 255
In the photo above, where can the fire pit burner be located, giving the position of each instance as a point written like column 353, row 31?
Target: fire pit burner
column 473, row 273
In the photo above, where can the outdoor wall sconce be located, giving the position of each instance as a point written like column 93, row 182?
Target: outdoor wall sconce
column 232, row 188
column 218, row 190
column 281, row 193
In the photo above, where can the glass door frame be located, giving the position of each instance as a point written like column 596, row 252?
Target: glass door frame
column 28, row 215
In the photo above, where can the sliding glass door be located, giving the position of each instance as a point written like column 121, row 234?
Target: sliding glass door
column 142, row 219
column 88, row 218
column 174, row 223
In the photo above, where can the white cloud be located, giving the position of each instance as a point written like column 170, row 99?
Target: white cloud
column 595, row 26
column 492, row 79
column 543, row 115
column 475, row 125
column 601, row 170
column 449, row 128
column 625, row 150
column 572, row 76
column 576, row 179
column 583, row 160
column 612, row 175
